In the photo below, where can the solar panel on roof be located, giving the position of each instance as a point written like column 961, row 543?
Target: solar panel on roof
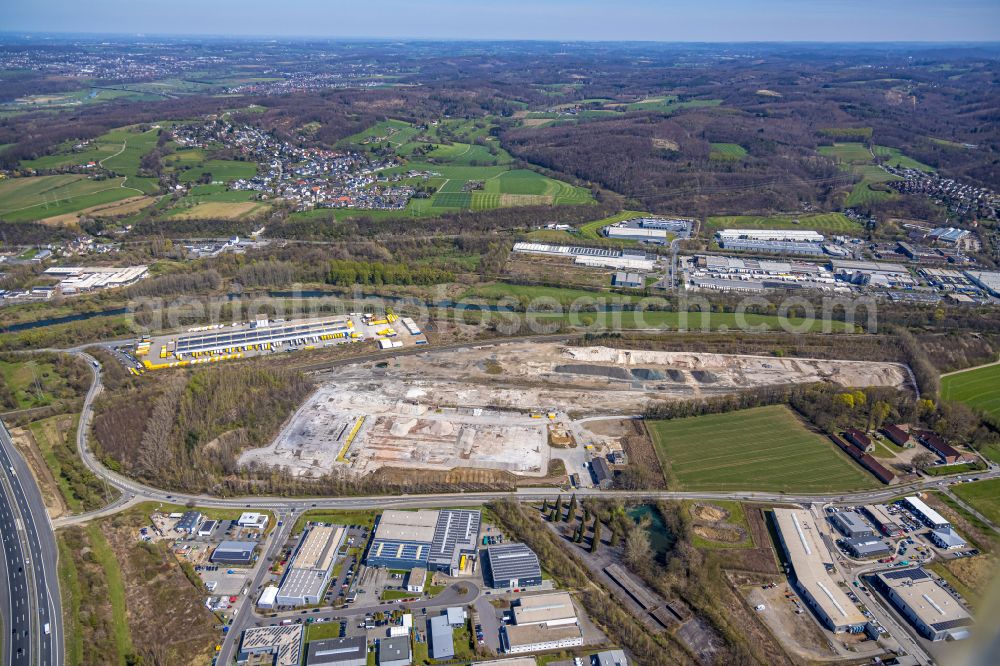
column 912, row 574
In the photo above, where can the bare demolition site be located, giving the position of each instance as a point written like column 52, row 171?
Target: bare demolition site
column 497, row 406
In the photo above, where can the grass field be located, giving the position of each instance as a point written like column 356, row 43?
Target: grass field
column 592, row 230
column 223, row 171
column 727, row 152
column 39, row 197
column 896, row 158
column 979, row 388
column 835, row 223
column 221, row 210
column 857, row 158
column 763, row 449
column 984, row 496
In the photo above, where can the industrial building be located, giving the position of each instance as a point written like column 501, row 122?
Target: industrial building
column 442, row 640
column 800, row 539
column 535, row 638
column 630, row 280
column 883, row 520
column 935, row 613
column 456, row 534
column 946, row 538
column 78, row 279
column 257, row 521
column 309, row 572
column 790, row 235
column 283, row 642
column 233, row 552
column 433, row 540
column 927, row 515
column 988, row 281
column 773, row 247
column 207, row 528
column 261, row 332
column 648, row 228
column 872, row 273
column 346, row 651
column 511, row 565
column 753, row 275
column 189, row 522
column 851, row 525
column 867, row 546
column 268, row 597
column 598, row 257
column 394, row 651
column 416, row 579
column 542, row 622
column 609, row 658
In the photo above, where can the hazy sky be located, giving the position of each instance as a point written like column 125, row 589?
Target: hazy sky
column 659, row 20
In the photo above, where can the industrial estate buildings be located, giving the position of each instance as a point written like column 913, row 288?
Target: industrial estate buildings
column 78, row 279
column 309, row 572
column 283, row 642
column 511, row 565
column 542, row 622
column 433, row 540
column 593, row 256
column 806, row 553
column 935, row 613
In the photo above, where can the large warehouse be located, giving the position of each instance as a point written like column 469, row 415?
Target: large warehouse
column 791, row 235
column 592, row 256
column 935, row 613
column 307, row 576
column 260, row 333
column 542, row 622
column 434, row 540
column 233, row 552
column 511, row 565
column 927, row 515
column 851, row 525
column 801, row 541
column 346, row 651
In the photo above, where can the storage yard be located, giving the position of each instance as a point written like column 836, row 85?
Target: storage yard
column 486, row 407
column 221, row 342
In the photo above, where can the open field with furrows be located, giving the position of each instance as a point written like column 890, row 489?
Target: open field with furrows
column 727, row 152
column 834, row 223
column 221, row 171
column 114, row 209
column 220, row 210
column 979, row 388
column 40, row 197
column 765, row 449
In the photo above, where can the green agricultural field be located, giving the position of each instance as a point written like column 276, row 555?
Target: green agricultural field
column 847, row 132
column 979, row 388
column 592, row 230
column 896, row 158
column 850, row 153
column 39, row 197
column 396, row 132
column 984, row 496
column 764, row 449
column 727, row 152
column 835, row 223
column 223, row 171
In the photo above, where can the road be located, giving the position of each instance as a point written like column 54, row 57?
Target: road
column 41, row 547
column 32, row 613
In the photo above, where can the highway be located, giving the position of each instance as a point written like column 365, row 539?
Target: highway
column 41, row 542
column 32, row 612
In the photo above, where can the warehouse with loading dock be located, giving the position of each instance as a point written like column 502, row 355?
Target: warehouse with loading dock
column 800, row 539
column 307, row 576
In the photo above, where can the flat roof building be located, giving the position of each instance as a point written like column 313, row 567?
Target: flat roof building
column 935, row 613
column 394, row 651
column 511, row 565
column 552, row 609
column 307, row 576
column 851, row 525
column 253, row 519
column 435, row 540
column 863, row 547
column 189, row 522
column 883, row 520
column 623, row 279
column 456, row 533
column 801, row 541
column 442, row 640
column 233, row 552
column 207, row 527
column 535, row 638
column 346, row 651
column 929, row 516
column 800, row 235
column 267, row 597
column 416, row 579
column 284, row 642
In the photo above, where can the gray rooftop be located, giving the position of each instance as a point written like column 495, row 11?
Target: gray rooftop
column 455, row 531
column 442, row 639
column 347, row 651
column 513, row 560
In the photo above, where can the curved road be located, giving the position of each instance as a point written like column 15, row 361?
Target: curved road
column 42, row 541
